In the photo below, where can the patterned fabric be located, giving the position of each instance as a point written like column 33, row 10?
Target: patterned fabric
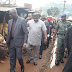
column 62, row 27
column 35, row 32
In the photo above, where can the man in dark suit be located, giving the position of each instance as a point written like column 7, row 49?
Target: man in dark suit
column 43, row 45
column 68, row 47
column 16, row 39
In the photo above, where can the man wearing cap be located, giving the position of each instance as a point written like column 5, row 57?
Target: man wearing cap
column 43, row 45
column 61, row 30
column 36, row 26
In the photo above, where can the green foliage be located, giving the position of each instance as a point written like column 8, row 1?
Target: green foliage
column 53, row 11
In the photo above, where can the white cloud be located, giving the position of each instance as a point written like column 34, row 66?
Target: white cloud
column 39, row 3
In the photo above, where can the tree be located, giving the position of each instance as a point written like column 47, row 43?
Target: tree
column 53, row 11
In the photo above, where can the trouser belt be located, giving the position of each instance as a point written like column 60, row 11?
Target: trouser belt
column 60, row 34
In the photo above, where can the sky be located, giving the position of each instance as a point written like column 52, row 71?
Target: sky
column 39, row 3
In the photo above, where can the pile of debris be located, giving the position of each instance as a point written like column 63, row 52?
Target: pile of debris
column 3, row 48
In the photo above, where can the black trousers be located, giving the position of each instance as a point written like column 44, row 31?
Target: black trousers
column 15, row 52
column 43, row 46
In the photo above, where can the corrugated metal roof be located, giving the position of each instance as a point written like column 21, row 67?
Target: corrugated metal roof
column 8, row 8
column 5, row 8
column 69, row 18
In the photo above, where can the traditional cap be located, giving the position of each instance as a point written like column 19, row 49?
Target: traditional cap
column 49, row 19
column 36, row 15
column 63, row 15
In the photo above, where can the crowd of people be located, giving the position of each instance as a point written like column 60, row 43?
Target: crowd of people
column 63, row 31
column 27, row 35
column 35, row 33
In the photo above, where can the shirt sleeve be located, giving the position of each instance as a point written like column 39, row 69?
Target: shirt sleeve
column 24, row 27
column 44, row 27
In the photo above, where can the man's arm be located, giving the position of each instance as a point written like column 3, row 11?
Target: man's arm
column 25, row 30
column 55, row 32
column 45, row 32
column 66, row 40
column 45, row 35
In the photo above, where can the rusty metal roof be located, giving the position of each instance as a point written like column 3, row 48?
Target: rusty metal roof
column 5, row 8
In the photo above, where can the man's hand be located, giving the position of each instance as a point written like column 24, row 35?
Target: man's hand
column 45, row 41
column 50, row 26
column 53, row 38
column 66, row 50
column 24, row 47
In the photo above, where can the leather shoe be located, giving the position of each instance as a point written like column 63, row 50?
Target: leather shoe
column 35, row 63
column 22, row 69
column 64, row 54
column 62, row 61
column 40, row 57
column 57, row 63
column 28, row 61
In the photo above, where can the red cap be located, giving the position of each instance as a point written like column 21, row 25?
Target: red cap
column 49, row 19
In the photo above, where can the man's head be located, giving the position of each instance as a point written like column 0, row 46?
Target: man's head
column 30, row 16
column 27, row 19
column 36, row 17
column 63, row 17
column 43, row 18
column 13, row 13
column 49, row 19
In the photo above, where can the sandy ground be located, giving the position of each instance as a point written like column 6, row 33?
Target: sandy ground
column 42, row 63
column 52, row 67
column 59, row 68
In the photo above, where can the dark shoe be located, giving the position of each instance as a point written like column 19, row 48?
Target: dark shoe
column 28, row 61
column 22, row 69
column 57, row 63
column 24, row 52
column 62, row 61
column 64, row 54
column 47, row 47
column 35, row 63
column 40, row 57
column 44, row 48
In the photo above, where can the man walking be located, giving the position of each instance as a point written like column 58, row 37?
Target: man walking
column 68, row 47
column 61, row 28
column 36, row 26
column 16, row 39
column 43, row 45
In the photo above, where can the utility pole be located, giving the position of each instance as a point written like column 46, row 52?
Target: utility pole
column 0, row 1
column 64, row 6
column 15, row 2
column 9, row 2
